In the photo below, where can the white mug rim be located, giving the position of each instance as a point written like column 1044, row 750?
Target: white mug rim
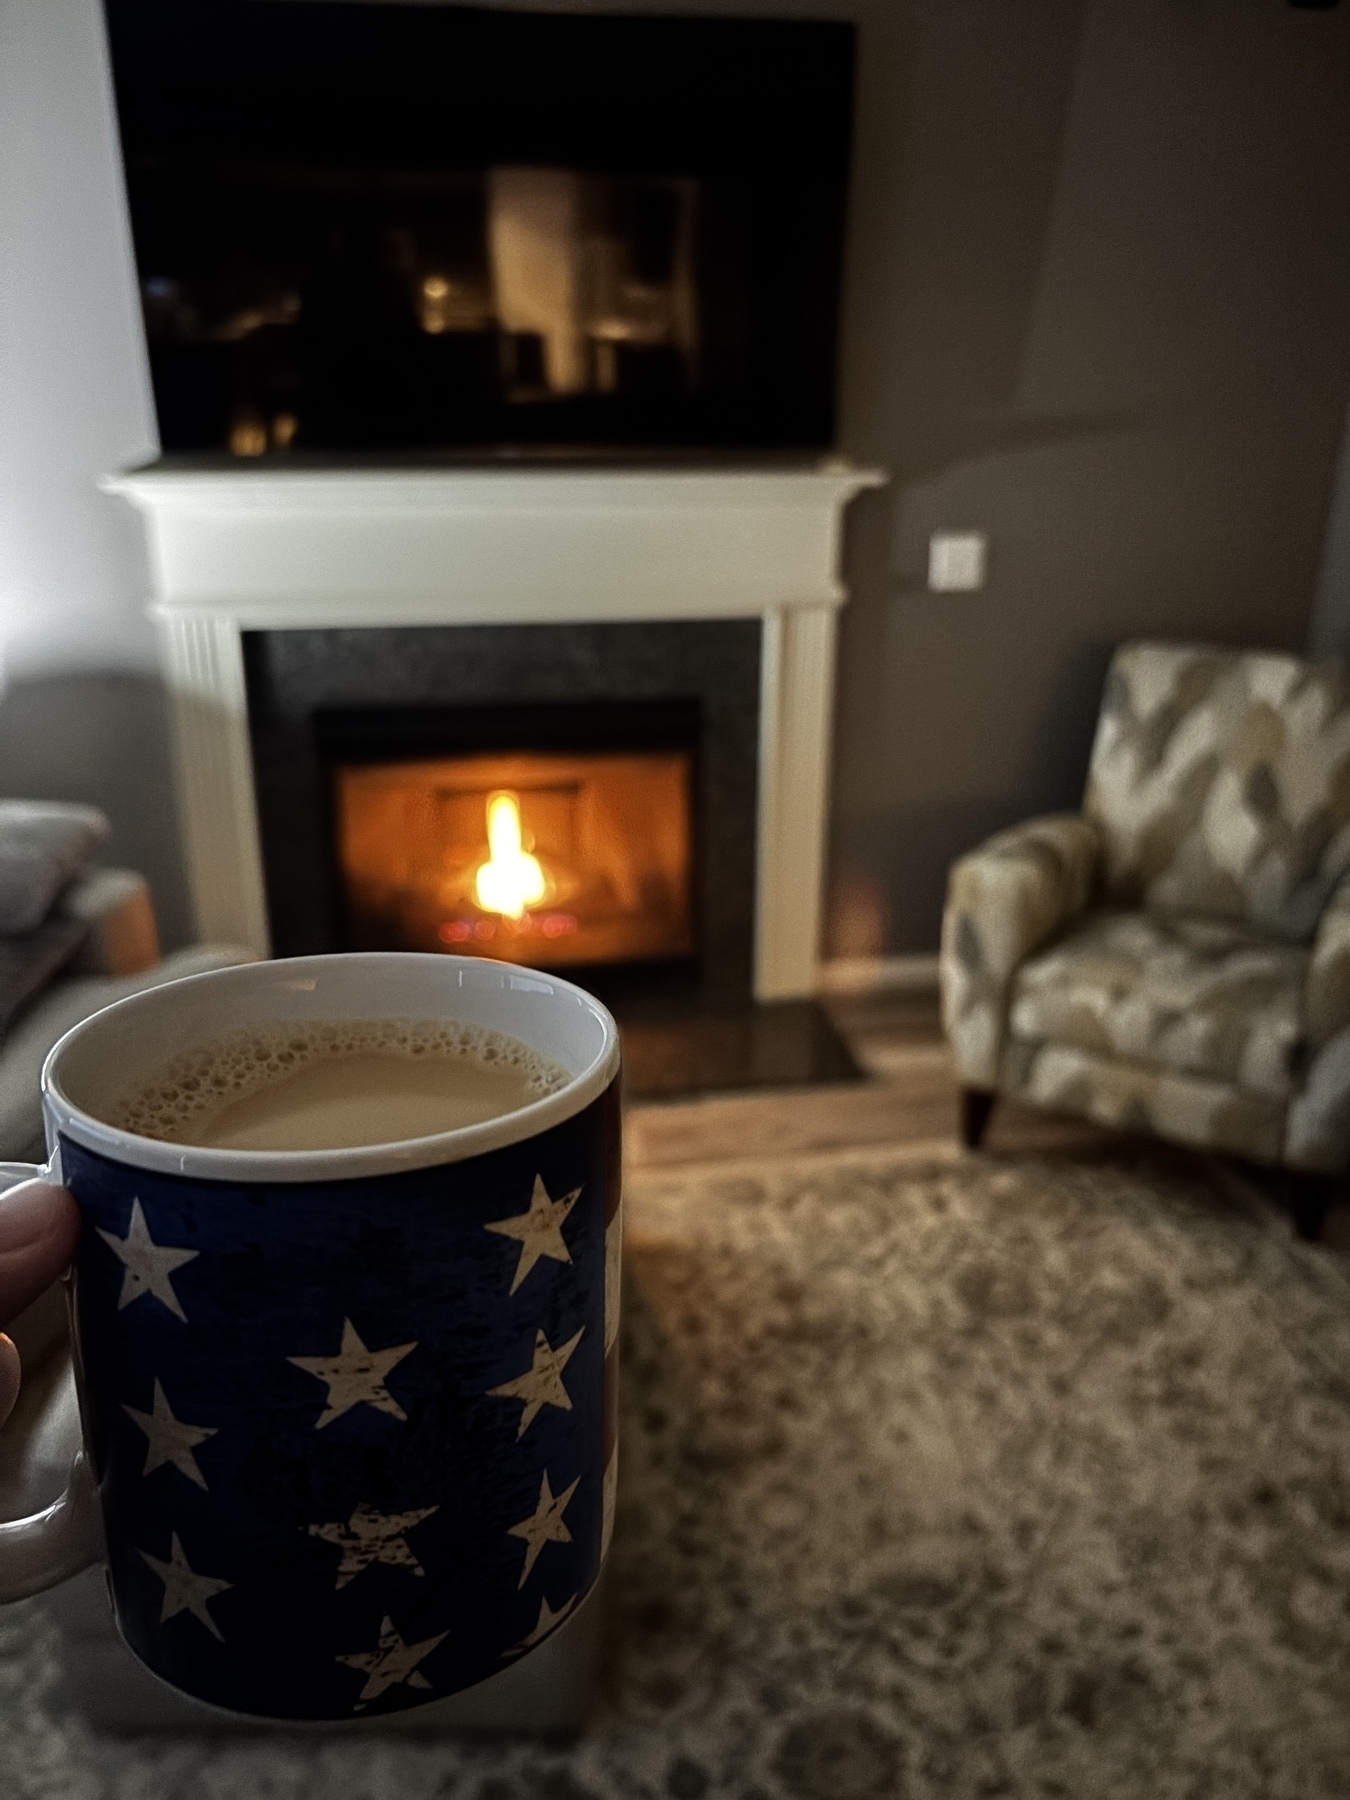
column 251, row 1167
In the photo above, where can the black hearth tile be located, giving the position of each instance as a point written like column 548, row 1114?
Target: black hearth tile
column 783, row 1043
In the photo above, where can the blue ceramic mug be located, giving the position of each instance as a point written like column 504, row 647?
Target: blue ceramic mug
column 349, row 1415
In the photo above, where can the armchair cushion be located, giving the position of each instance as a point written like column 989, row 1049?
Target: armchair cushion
column 1220, row 783
column 1004, row 900
column 1194, row 996
column 1129, row 1096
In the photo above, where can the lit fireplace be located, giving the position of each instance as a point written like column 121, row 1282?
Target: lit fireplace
column 534, row 857
column 580, row 797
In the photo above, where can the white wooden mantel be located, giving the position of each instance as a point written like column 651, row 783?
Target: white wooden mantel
column 281, row 549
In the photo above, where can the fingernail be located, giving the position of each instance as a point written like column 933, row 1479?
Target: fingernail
column 27, row 1211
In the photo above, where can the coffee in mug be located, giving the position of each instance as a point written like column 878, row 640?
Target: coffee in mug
column 337, row 1085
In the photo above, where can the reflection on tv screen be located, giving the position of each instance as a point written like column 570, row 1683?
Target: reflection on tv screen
column 408, row 227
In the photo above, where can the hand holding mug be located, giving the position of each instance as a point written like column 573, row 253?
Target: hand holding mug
column 39, row 1229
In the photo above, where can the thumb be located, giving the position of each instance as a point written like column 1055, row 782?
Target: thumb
column 39, row 1229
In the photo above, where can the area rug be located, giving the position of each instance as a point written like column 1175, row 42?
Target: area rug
column 952, row 1479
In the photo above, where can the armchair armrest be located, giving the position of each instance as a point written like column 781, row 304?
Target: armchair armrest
column 1326, row 999
column 1317, row 1135
column 1005, row 900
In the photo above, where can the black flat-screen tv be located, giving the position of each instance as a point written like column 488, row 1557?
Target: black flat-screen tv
column 411, row 228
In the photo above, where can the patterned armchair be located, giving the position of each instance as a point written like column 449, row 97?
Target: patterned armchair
column 1176, row 958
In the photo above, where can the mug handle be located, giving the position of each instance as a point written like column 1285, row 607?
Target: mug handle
column 50, row 1546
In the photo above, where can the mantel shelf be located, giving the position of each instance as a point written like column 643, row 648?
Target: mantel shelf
column 305, row 548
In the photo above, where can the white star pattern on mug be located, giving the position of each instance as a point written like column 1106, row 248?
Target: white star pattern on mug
column 538, row 1229
column 184, row 1589
column 354, row 1376
column 146, row 1265
column 391, row 1662
column 545, row 1525
column 171, row 1440
column 370, row 1537
column 542, row 1383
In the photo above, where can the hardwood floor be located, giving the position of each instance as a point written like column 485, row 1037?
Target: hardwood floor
column 909, row 1101
column 908, row 1106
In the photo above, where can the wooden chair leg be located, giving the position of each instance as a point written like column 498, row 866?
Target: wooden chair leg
column 976, row 1106
column 1310, row 1196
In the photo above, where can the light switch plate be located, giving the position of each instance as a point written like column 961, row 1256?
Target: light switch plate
column 956, row 561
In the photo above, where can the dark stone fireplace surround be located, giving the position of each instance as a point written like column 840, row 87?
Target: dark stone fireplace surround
column 296, row 678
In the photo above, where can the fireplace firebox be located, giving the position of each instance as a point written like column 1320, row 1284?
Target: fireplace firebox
column 544, row 859
column 581, row 798
column 569, row 843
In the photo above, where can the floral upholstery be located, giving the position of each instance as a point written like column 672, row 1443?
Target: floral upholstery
column 1178, row 957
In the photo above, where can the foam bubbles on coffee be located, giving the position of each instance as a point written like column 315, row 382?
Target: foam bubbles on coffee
column 337, row 1084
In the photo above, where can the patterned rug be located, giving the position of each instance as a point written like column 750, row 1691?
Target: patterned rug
column 939, row 1479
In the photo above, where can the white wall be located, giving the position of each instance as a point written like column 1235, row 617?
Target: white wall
column 74, row 388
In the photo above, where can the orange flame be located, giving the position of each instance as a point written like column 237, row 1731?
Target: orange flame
column 511, row 879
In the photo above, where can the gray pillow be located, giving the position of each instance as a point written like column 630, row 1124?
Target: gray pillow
column 42, row 844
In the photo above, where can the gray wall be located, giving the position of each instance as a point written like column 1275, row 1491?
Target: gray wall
column 1098, row 305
